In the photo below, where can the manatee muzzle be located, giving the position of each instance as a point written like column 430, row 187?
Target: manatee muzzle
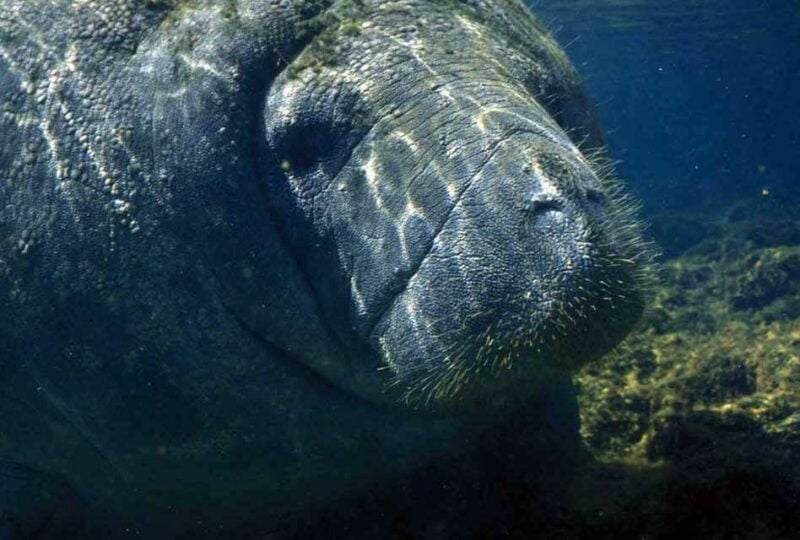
column 524, row 279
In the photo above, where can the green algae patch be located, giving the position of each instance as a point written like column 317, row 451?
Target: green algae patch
column 174, row 10
column 327, row 25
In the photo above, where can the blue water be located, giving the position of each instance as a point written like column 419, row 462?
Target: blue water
column 699, row 98
column 699, row 103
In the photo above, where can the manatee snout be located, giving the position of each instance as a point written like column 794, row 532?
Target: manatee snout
column 446, row 201
column 525, row 278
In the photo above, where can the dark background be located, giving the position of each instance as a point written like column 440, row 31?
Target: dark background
column 699, row 98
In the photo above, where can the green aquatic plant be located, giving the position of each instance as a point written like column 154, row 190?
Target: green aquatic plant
column 702, row 403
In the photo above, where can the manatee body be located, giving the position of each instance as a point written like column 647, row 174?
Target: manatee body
column 258, row 253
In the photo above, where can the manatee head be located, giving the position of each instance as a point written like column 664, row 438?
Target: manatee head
column 438, row 176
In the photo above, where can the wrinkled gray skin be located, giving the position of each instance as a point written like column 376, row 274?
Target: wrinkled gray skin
column 256, row 253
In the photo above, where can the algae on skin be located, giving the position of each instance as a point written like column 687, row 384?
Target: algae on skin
column 342, row 19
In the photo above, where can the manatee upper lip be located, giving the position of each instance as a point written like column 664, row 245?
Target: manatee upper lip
column 409, row 276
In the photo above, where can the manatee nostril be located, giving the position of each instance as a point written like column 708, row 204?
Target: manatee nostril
column 595, row 196
column 543, row 203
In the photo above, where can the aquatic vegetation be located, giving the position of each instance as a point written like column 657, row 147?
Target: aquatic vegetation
column 701, row 406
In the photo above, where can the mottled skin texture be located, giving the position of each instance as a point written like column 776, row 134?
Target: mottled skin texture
column 254, row 253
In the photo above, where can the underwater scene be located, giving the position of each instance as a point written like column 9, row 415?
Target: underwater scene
column 399, row 269
column 694, row 421
column 696, row 416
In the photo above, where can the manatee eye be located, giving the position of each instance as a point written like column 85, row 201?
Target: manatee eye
column 311, row 148
column 312, row 135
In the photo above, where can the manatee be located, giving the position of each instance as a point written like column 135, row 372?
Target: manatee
column 256, row 254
